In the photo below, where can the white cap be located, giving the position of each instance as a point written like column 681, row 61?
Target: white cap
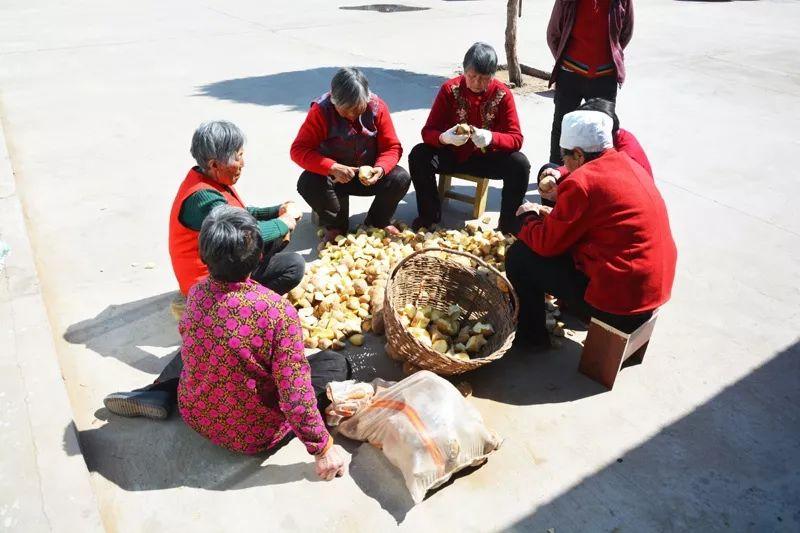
column 588, row 130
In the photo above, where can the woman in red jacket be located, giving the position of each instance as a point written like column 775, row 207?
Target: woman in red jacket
column 606, row 248
column 347, row 128
column 490, row 151
column 624, row 141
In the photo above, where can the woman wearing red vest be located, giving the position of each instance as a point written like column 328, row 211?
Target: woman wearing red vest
column 606, row 248
column 218, row 149
column 490, row 151
column 347, row 128
column 587, row 39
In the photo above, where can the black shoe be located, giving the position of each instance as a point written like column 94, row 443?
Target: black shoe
column 148, row 403
column 420, row 223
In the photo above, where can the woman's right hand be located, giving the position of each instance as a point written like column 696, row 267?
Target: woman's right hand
column 548, row 188
column 289, row 219
column 332, row 463
column 342, row 173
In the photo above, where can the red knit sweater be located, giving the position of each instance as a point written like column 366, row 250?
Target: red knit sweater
column 315, row 130
column 613, row 221
column 493, row 110
column 589, row 49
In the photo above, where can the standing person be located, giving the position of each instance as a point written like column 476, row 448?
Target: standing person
column 606, row 248
column 587, row 39
column 218, row 149
column 347, row 128
column 491, row 150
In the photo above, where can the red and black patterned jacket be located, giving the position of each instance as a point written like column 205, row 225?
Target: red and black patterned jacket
column 492, row 110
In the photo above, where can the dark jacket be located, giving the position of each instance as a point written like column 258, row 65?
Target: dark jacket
column 620, row 31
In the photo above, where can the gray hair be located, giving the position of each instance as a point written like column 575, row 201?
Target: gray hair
column 216, row 139
column 349, row 88
column 230, row 243
column 481, row 58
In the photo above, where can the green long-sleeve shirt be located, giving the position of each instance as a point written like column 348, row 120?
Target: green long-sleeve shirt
column 198, row 205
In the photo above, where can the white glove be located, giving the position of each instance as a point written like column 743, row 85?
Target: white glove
column 451, row 137
column 481, row 138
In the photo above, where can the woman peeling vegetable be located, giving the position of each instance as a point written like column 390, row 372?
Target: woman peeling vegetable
column 348, row 146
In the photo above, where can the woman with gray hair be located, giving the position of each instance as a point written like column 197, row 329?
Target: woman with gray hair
column 245, row 382
column 347, row 129
column 218, row 150
column 490, row 149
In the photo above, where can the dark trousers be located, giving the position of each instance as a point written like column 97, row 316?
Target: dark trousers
column 326, row 366
column 512, row 167
column 533, row 275
column 571, row 90
column 330, row 200
column 279, row 271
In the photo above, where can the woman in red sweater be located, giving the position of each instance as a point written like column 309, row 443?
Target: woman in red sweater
column 624, row 141
column 606, row 248
column 490, row 151
column 347, row 128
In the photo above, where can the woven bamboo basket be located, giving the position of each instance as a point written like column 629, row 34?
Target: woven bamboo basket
column 426, row 278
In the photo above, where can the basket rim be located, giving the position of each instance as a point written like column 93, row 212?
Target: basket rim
column 449, row 365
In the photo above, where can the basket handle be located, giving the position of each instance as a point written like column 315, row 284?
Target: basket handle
column 481, row 262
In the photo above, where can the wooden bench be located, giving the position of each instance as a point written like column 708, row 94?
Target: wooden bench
column 481, row 192
column 607, row 349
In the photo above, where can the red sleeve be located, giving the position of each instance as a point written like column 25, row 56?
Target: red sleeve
column 625, row 142
column 438, row 118
column 554, row 28
column 304, row 148
column 509, row 136
column 389, row 147
column 626, row 32
column 564, row 226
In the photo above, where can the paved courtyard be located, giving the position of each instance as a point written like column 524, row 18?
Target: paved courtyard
column 98, row 101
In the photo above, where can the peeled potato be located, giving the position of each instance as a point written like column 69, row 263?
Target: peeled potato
column 483, row 329
column 440, row 346
column 357, row 340
column 463, row 129
column 476, row 343
column 364, row 174
column 547, row 184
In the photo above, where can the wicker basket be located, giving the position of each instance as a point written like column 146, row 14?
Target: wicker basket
column 425, row 278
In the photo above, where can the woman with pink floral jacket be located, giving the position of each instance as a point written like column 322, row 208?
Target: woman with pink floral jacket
column 246, row 384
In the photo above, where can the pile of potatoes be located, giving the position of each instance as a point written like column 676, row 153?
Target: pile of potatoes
column 442, row 330
column 341, row 295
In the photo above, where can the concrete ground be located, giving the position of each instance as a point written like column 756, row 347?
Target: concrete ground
column 98, row 102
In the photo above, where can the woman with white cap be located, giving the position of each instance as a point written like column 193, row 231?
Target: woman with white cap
column 606, row 248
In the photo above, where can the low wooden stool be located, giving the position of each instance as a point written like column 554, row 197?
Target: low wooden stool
column 481, row 192
column 607, row 348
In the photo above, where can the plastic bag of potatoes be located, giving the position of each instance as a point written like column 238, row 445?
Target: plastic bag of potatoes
column 426, row 428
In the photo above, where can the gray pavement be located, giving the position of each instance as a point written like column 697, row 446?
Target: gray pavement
column 98, row 101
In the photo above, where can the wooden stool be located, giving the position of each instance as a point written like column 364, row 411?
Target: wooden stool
column 481, row 192
column 607, row 348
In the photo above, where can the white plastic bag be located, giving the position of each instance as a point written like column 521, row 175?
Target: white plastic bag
column 425, row 428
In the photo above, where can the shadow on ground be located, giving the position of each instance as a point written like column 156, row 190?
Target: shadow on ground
column 746, row 439
column 141, row 334
column 402, row 90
